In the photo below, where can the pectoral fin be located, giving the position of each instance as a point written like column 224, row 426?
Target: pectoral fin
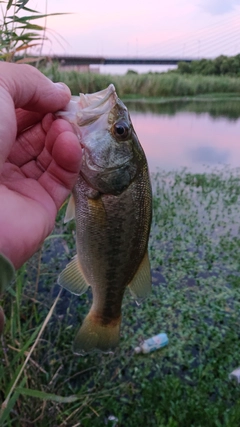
column 141, row 284
column 70, row 212
column 72, row 278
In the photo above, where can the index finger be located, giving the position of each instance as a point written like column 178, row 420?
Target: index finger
column 31, row 90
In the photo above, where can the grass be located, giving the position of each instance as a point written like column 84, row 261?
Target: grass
column 194, row 249
column 148, row 85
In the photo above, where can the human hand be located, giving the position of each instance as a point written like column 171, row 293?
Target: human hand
column 39, row 159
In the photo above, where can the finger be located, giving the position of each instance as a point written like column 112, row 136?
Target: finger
column 23, row 86
column 30, row 143
column 8, row 125
column 57, row 127
column 25, row 119
column 28, row 146
column 63, row 170
column 31, row 90
column 37, row 157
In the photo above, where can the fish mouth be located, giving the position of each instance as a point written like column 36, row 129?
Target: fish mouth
column 113, row 180
column 97, row 99
column 94, row 105
column 87, row 108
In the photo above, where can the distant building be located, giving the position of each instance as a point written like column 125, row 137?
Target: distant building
column 80, row 68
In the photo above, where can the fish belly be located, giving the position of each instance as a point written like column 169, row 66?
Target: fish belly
column 112, row 239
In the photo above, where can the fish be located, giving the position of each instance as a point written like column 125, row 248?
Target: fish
column 112, row 206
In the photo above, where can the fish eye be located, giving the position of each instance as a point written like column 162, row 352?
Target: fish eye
column 121, row 130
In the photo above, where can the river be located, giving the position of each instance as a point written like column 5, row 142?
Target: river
column 192, row 134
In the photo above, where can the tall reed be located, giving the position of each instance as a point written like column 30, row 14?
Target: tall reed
column 19, row 32
column 146, row 85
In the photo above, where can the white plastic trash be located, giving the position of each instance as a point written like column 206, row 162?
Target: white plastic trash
column 152, row 344
column 112, row 420
column 235, row 375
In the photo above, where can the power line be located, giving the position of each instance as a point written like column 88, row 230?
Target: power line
column 211, row 36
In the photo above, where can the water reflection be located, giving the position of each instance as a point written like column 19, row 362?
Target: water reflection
column 229, row 108
column 210, row 155
column 188, row 134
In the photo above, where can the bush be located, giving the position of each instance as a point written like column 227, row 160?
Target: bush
column 222, row 65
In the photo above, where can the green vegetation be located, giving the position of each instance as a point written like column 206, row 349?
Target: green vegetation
column 218, row 78
column 194, row 249
column 19, row 32
column 220, row 66
column 148, row 85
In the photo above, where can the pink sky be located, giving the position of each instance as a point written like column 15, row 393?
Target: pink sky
column 143, row 28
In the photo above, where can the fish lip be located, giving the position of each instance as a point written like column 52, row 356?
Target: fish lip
column 110, row 90
column 102, row 169
column 94, row 109
column 104, row 173
column 97, row 168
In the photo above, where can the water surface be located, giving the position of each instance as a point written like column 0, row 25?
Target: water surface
column 188, row 134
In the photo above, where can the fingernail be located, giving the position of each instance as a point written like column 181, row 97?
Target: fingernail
column 62, row 86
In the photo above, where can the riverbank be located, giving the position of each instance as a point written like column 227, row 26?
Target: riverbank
column 207, row 97
column 194, row 251
column 148, row 85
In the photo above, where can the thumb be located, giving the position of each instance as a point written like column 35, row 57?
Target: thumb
column 31, row 90
column 24, row 86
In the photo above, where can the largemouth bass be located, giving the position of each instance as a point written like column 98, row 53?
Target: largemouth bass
column 112, row 204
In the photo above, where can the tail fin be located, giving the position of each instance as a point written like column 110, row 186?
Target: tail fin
column 95, row 336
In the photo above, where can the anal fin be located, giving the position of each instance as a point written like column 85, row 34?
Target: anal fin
column 141, row 284
column 72, row 278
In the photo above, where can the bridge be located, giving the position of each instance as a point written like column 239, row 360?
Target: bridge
column 100, row 60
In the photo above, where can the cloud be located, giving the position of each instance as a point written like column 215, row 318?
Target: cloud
column 216, row 7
